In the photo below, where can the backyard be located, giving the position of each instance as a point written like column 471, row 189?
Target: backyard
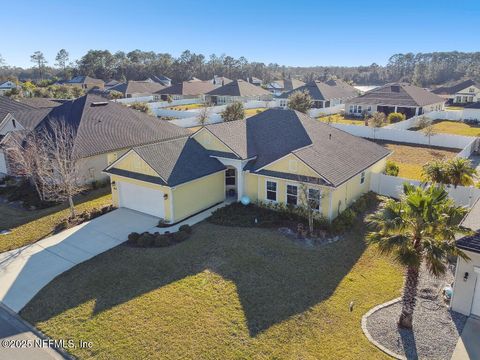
column 411, row 158
column 227, row 292
column 29, row 226
column 252, row 112
column 456, row 128
column 185, row 107
column 341, row 119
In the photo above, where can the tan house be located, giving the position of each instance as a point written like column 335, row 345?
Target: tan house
column 238, row 90
column 464, row 92
column 193, row 89
column 85, row 82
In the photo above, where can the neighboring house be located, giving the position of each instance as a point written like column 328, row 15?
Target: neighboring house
column 272, row 157
column 7, row 86
column 192, row 89
column 255, row 81
column 396, row 97
column 41, row 103
column 104, row 130
column 324, row 94
column 464, row 92
column 111, row 83
column 161, row 79
column 220, row 80
column 278, row 87
column 362, row 89
column 85, row 82
column 238, row 90
column 137, row 88
column 472, row 111
column 466, row 289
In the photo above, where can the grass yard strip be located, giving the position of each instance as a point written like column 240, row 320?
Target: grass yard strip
column 185, row 107
column 456, row 128
column 341, row 119
column 243, row 293
column 252, row 112
column 30, row 226
column 411, row 158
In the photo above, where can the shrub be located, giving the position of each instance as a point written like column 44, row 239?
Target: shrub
column 145, row 240
column 162, row 223
column 344, row 221
column 181, row 236
column 187, row 228
column 395, row 117
column 392, row 168
column 161, row 240
column 133, row 237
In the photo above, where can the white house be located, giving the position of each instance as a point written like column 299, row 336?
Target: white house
column 7, row 86
column 464, row 92
column 466, row 291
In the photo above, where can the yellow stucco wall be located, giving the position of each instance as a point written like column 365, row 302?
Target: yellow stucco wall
column 114, row 155
column 196, row 195
column 133, row 162
column 210, row 142
column 165, row 189
column 292, row 165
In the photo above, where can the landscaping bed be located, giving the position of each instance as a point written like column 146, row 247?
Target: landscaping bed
column 411, row 157
column 435, row 328
column 156, row 239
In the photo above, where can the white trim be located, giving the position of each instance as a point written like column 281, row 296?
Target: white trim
column 266, row 190
column 476, row 269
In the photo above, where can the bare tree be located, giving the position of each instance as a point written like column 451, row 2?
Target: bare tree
column 429, row 131
column 376, row 121
column 310, row 199
column 203, row 114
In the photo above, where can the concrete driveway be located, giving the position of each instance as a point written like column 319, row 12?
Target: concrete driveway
column 468, row 346
column 24, row 271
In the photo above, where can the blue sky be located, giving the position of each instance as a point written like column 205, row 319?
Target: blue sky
column 295, row 32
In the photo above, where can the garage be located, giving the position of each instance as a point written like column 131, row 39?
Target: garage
column 141, row 198
column 476, row 296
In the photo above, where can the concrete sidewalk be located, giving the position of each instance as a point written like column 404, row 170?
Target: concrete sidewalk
column 468, row 346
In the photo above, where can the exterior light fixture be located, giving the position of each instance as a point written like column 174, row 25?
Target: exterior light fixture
column 465, row 276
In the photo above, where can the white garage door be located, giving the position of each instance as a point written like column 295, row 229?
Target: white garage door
column 476, row 296
column 3, row 164
column 142, row 199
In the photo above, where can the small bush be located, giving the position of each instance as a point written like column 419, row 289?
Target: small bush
column 395, row 117
column 133, row 237
column 180, row 236
column 162, row 223
column 161, row 241
column 392, row 169
column 344, row 221
column 187, row 228
column 145, row 240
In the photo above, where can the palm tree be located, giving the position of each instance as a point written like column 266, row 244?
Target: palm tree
column 435, row 171
column 460, row 172
column 420, row 227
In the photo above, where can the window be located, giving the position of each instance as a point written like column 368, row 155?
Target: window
column 369, row 108
column 271, row 190
column 14, row 124
column 314, row 198
column 230, row 177
column 351, row 108
column 292, row 194
column 362, row 177
column 471, row 90
column 359, row 109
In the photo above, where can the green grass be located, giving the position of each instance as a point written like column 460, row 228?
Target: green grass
column 456, row 128
column 252, row 112
column 30, row 226
column 341, row 119
column 226, row 293
column 186, row 107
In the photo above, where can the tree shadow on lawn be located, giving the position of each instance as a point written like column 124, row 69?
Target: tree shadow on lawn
column 275, row 278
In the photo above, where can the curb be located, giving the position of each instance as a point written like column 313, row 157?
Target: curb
column 370, row 338
column 34, row 330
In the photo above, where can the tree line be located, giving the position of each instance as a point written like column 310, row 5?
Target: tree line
column 422, row 69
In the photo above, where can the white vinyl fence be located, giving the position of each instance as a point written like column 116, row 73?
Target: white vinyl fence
column 326, row 111
column 193, row 121
column 393, row 187
column 163, row 104
column 133, row 100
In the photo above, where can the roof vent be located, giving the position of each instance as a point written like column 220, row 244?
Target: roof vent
column 98, row 103
column 395, row 88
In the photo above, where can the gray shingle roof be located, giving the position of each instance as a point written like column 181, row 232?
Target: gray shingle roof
column 179, row 161
column 239, row 88
column 85, row 80
column 331, row 89
column 398, row 94
column 8, row 105
column 286, row 85
column 472, row 221
column 451, row 90
column 41, row 103
column 192, row 87
column 102, row 126
column 334, row 154
column 143, row 87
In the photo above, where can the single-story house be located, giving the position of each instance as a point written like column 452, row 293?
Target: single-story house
column 238, row 90
column 85, row 82
column 111, row 83
column 41, row 103
column 255, row 81
column 192, row 89
column 466, row 289
column 464, row 92
column 277, row 156
column 472, row 111
column 104, row 130
column 220, row 80
column 7, row 86
column 407, row 99
column 162, row 79
column 278, row 87
column 327, row 94
column 134, row 88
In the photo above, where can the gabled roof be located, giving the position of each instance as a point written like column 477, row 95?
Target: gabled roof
column 41, row 103
column 474, row 105
column 101, row 126
column 286, row 84
column 8, row 105
column 239, row 88
column 398, row 94
column 112, row 83
column 160, row 78
column 176, row 161
column 84, row 80
column 471, row 221
column 334, row 154
column 331, row 89
column 220, row 80
column 192, row 87
column 451, row 90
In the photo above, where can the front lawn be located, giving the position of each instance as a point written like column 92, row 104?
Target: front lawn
column 456, row 128
column 411, row 158
column 341, row 119
column 29, row 226
column 226, row 293
column 252, row 112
